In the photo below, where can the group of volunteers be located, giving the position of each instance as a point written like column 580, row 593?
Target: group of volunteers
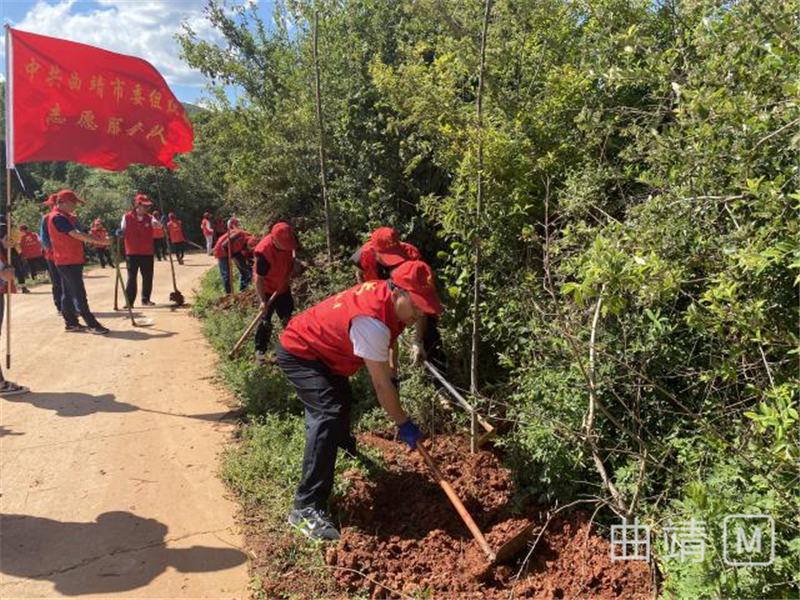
column 319, row 349
column 322, row 347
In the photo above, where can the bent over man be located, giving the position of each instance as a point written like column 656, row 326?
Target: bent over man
column 327, row 344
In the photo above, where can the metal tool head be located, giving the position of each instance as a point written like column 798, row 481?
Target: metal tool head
column 508, row 551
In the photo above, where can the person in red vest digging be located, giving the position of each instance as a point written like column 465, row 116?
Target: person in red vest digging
column 238, row 239
column 137, row 231
column 159, row 245
column 322, row 348
column 176, row 237
column 207, row 227
column 68, row 255
column 98, row 230
column 376, row 260
column 274, row 263
column 32, row 251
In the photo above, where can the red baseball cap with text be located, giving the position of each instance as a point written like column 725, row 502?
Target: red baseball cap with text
column 416, row 278
column 386, row 243
column 67, row 196
column 142, row 200
column 283, row 233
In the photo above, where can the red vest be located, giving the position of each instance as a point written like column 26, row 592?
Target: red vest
column 138, row 235
column 158, row 230
column 175, row 232
column 205, row 225
column 371, row 267
column 66, row 249
column 48, row 252
column 323, row 331
column 30, row 245
column 99, row 232
column 281, row 263
column 237, row 245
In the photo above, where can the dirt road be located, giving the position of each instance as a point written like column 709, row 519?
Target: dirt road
column 109, row 468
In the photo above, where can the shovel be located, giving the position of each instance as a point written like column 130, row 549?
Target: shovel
column 250, row 327
column 142, row 322
column 508, row 550
column 174, row 296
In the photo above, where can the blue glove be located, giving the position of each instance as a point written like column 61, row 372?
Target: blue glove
column 410, row 433
column 118, row 233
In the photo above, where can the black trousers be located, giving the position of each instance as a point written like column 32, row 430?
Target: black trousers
column 36, row 265
column 73, row 295
column 136, row 263
column 55, row 279
column 104, row 257
column 179, row 248
column 284, row 306
column 327, row 399
column 160, row 247
column 20, row 266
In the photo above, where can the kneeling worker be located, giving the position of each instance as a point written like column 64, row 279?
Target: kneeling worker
column 325, row 345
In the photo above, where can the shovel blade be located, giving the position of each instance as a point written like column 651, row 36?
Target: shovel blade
column 508, row 551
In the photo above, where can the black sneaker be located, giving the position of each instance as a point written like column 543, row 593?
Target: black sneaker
column 99, row 330
column 76, row 327
column 314, row 524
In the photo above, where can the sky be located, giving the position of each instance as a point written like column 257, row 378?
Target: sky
column 143, row 28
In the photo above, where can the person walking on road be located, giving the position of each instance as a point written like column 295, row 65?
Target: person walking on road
column 159, row 243
column 176, row 237
column 136, row 229
column 68, row 253
column 322, row 348
column 32, row 251
column 273, row 268
column 207, row 227
column 99, row 231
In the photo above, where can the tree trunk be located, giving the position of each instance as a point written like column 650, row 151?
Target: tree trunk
column 321, row 133
column 476, row 317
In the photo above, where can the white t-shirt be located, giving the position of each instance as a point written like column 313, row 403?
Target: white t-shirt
column 370, row 338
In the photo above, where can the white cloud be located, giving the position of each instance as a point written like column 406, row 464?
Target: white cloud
column 143, row 28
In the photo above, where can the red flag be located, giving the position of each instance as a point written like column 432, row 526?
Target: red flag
column 70, row 101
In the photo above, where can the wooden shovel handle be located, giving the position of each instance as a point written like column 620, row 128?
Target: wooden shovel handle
column 252, row 326
column 459, row 506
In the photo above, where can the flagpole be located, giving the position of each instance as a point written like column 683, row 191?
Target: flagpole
column 9, row 168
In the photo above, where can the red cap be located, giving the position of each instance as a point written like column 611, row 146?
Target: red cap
column 142, row 200
column 51, row 199
column 97, row 221
column 416, row 278
column 23, row 227
column 386, row 244
column 233, row 222
column 283, row 233
column 67, row 196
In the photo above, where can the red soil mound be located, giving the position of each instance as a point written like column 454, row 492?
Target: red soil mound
column 402, row 538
